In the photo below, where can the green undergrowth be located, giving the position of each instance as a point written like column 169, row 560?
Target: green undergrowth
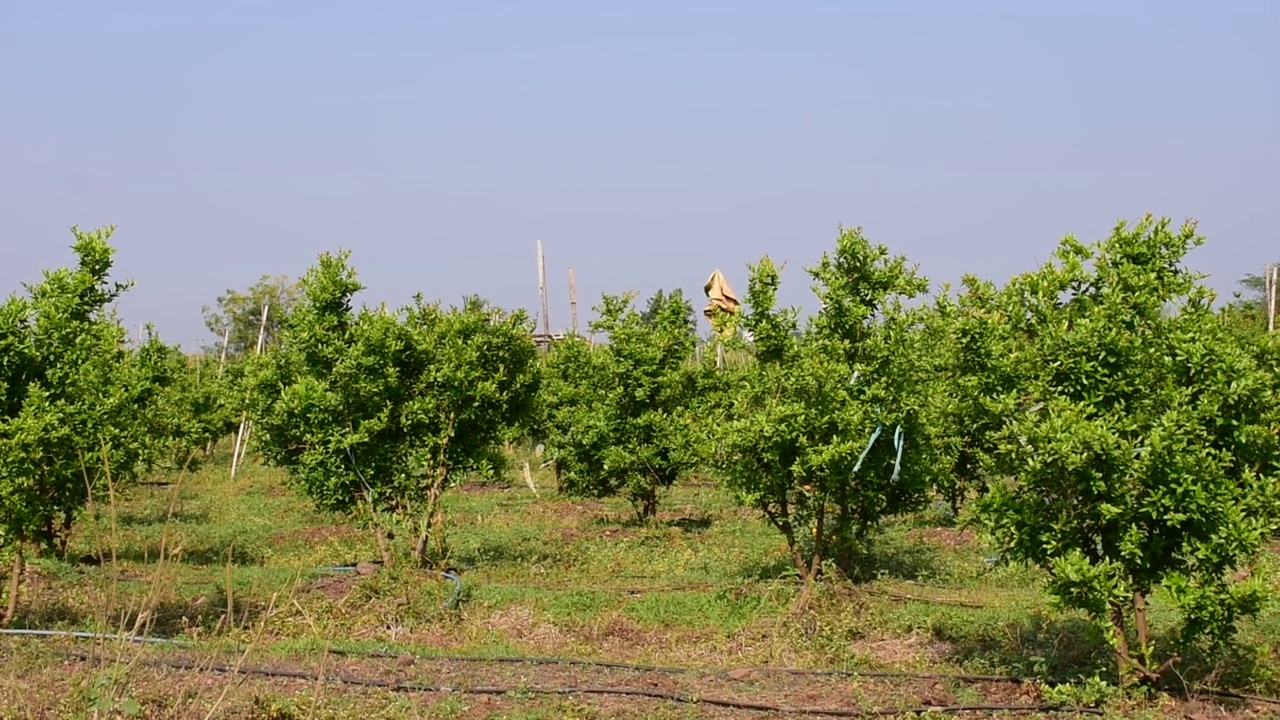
column 237, row 563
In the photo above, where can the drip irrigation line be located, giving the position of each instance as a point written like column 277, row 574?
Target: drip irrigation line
column 92, row 636
column 674, row 670
column 415, row 687
column 535, row 660
column 412, row 687
column 1227, row 694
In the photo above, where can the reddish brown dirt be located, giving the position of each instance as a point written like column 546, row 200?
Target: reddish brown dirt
column 53, row 685
column 793, row 692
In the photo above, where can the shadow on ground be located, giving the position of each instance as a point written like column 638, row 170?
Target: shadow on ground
column 211, row 552
column 168, row 617
column 1071, row 648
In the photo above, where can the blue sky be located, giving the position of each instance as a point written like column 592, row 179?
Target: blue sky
column 646, row 144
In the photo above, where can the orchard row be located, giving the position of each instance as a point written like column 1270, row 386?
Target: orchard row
column 1097, row 416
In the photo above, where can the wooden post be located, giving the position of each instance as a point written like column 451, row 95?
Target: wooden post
column 1273, row 274
column 573, row 303
column 1266, row 293
column 242, row 435
column 542, row 292
column 1275, row 291
column 222, row 361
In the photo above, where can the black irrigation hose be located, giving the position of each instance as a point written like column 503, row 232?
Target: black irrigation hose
column 587, row 690
column 533, row 660
column 895, row 674
column 1227, row 694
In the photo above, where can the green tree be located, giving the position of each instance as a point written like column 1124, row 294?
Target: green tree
column 71, row 408
column 1142, row 438
column 818, row 426
column 622, row 418
column 374, row 413
column 963, row 345
column 1246, row 313
column 237, row 315
column 188, row 405
column 662, row 302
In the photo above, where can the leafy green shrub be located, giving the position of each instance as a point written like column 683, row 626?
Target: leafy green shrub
column 963, row 345
column 1142, row 439
column 622, row 418
column 183, row 406
column 68, row 413
column 374, row 413
column 818, row 426
column 70, row 419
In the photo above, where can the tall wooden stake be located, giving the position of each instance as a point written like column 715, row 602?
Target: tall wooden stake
column 222, row 361
column 542, row 292
column 242, row 435
column 1273, row 275
column 573, row 303
column 1275, row 292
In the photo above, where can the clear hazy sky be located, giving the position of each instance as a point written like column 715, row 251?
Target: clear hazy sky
column 646, row 143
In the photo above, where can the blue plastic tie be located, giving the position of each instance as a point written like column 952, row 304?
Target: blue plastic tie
column 872, row 441
column 898, row 437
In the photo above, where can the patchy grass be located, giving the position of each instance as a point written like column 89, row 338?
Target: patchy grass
column 236, row 568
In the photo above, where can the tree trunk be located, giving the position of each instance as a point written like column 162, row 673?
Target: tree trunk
column 64, row 535
column 782, row 521
column 420, row 546
column 1124, row 663
column 380, row 534
column 955, row 497
column 647, row 508
column 819, row 544
column 1140, row 622
column 1150, row 675
column 1128, row 665
column 15, row 585
column 432, row 527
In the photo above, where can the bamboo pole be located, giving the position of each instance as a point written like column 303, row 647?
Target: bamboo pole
column 573, row 303
column 1266, row 293
column 226, row 337
column 1272, row 276
column 242, row 435
column 542, row 291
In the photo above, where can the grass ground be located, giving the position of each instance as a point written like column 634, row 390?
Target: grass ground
column 233, row 568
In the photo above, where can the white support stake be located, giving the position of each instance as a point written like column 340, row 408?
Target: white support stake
column 242, row 435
